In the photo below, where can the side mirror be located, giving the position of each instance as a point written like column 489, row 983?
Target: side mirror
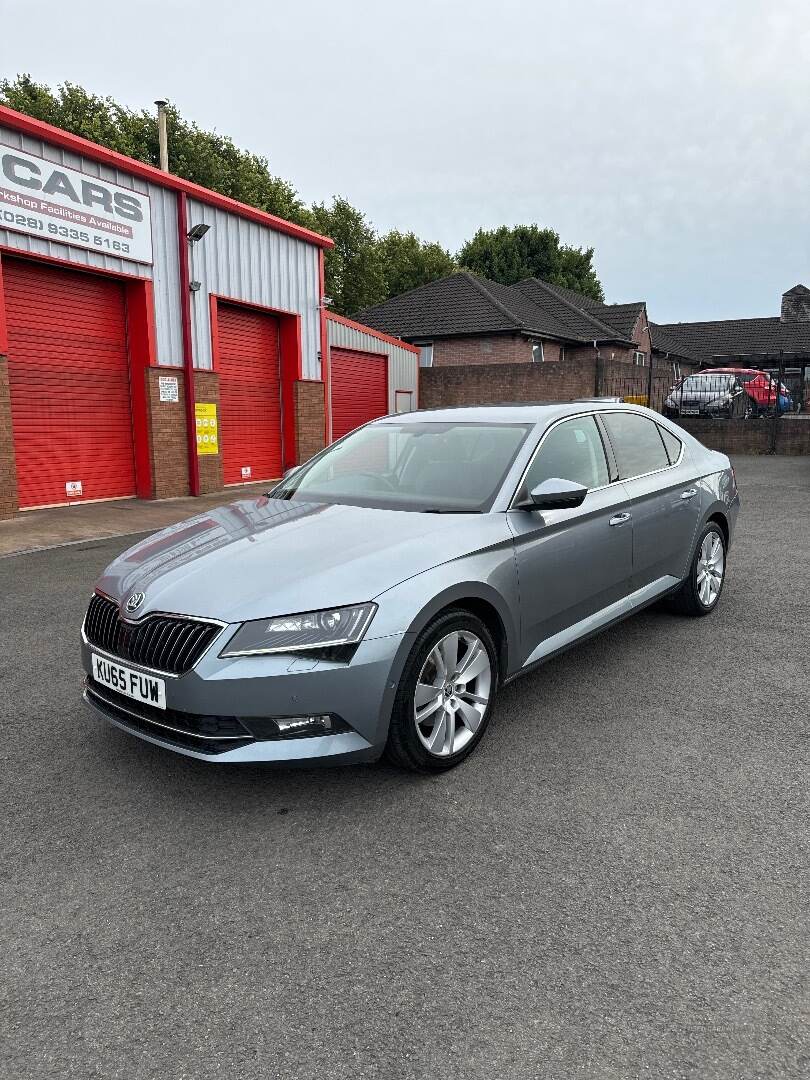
column 554, row 494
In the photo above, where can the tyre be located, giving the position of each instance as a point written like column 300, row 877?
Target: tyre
column 700, row 592
column 445, row 696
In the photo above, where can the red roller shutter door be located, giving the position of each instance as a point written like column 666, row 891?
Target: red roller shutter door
column 250, row 394
column 359, row 393
column 69, row 380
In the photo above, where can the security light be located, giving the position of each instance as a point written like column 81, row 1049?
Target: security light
column 197, row 232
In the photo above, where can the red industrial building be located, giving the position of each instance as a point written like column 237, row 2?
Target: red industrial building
column 159, row 339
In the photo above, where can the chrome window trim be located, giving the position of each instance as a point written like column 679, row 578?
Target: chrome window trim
column 620, row 479
column 136, row 622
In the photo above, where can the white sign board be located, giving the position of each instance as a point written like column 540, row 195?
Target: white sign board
column 247, row 472
column 73, row 488
column 53, row 202
column 168, row 388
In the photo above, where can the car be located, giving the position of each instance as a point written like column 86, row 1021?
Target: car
column 708, row 394
column 376, row 600
column 760, row 386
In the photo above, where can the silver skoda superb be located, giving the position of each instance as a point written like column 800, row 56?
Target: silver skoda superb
column 379, row 596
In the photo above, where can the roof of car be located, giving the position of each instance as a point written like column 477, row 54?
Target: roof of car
column 520, row 412
column 730, row 371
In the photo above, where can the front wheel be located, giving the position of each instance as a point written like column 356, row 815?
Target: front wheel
column 700, row 592
column 445, row 696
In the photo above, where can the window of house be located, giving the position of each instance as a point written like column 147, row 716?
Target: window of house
column 562, row 352
column 640, row 359
column 572, row 451
column 425, row 353
column 637, row 442
column 538, row 356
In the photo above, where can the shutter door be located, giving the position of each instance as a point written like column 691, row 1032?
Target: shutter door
column 69, row 380
column 359, row 389
column 250, row 394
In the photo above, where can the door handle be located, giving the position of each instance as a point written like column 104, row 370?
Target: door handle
column 619, row 519
column 690, row 493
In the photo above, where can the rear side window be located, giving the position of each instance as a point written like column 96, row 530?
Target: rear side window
column 637, row 442
column 672, row 443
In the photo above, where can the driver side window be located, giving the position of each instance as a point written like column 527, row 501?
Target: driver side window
column 572, row 451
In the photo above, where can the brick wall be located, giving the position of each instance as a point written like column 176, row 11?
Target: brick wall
column 167, row 435
column 496, row 349
column 309, row 420
column 8, row 471
column 206, row 388
column 753, row 436
column 168, row 452
column 489, row 384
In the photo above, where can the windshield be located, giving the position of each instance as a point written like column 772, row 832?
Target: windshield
column 423, row 465
column 704, row 383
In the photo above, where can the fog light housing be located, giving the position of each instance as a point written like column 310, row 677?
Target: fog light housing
column 297, row 725
column 293, row 727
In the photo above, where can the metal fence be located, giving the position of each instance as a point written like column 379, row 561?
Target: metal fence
column 734, row 389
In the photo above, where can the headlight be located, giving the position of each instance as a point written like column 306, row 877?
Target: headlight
column 302, row 633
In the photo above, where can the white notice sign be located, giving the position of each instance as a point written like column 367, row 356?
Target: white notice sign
column 168, row 388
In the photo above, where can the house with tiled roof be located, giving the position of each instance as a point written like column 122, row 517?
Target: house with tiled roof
column 465, row 319
column 742, row 342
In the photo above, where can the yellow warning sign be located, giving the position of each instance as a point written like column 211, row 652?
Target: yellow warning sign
column 205, row 415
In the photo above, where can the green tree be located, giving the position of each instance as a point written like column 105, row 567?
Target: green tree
column 509, row 255
column 203, row 157
column 409, row 262
column 354, row 268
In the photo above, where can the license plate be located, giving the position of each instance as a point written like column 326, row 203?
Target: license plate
column 132, row 684
column 686, row 410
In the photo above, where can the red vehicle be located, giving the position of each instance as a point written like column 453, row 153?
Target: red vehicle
column 760, row 387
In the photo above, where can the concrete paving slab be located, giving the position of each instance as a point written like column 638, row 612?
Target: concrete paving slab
column 34, row 530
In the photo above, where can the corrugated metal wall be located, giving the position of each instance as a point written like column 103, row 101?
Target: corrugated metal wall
column 246, row 261
column 403, row 365
column 165, row 273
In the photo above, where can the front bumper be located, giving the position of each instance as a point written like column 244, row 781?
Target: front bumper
column 203, row 706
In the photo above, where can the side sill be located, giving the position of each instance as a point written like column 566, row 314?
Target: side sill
column 591, row 625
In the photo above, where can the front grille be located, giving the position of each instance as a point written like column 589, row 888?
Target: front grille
column 167, row 643
column 207, row 734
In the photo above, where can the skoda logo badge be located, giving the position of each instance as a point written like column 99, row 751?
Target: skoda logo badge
column 135, row 602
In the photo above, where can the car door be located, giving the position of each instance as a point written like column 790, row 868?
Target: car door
column 665, row 500
column 571, row 563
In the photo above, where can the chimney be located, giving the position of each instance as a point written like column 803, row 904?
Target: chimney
column 796, row 305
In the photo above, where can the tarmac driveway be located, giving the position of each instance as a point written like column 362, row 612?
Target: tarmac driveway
column 615, row 885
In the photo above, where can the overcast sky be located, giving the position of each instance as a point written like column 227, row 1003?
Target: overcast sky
column 672, row 137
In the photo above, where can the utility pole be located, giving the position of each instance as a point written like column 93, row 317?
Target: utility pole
column 163, row 139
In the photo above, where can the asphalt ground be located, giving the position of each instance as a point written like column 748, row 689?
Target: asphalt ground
column 614, row 885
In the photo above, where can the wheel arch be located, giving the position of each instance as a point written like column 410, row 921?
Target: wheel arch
column 486, row 604
column 718, row 516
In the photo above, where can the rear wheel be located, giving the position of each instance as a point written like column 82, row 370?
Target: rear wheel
column 445, row 695
column 700, row 592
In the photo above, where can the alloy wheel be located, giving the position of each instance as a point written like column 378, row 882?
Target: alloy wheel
column 452, row 693
column 710, row 569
